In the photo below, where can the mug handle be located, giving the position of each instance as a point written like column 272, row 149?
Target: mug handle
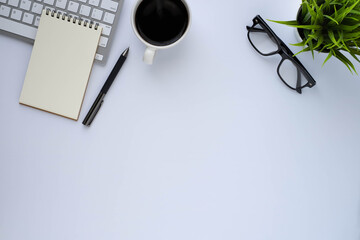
column 149, row 55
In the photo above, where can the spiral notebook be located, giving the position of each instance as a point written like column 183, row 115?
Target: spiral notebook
column 60, row 64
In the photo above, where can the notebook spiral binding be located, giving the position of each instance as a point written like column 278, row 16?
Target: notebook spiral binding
column 70, row 18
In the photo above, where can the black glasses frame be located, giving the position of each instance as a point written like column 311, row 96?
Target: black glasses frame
column 284, row 52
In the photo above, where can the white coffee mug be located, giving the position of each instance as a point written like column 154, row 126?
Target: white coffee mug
column 152, row 46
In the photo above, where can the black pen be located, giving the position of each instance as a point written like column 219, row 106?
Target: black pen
column 100, row 98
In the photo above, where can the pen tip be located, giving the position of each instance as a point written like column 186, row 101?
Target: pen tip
column 126, row 51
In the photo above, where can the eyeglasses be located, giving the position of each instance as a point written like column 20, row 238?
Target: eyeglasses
column 267, row 43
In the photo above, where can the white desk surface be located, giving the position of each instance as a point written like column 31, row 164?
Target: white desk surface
column 207, row 143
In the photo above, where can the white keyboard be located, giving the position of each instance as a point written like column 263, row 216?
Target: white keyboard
column 21, row 18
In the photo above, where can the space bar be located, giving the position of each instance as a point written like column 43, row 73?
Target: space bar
column 17, row 28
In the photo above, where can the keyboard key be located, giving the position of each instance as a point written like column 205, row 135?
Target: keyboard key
column 50, row 2
column 85, row 10
column 94, row 2
column 4, row 11
column 17, row 28
column 28, row 18
column 25, row 4
column 97, row 14
column 37, row 8
column 73, row 6
column 109, row 17
column 37, row 20
column 61, row 3
column 99, row 57
column 2, row 1
column 109, row 5
column 14, row 3
column 106, row 29
column 103, row 41
column 84, row 1
column 16, row 14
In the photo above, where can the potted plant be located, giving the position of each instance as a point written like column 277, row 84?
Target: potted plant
column 329, row 26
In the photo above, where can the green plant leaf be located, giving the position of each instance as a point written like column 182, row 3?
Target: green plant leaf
column 295, row 24
column 345, row 60
column 332, row 19
column 307, row 49
column 328, row 57
column 300, row 44
column 332, row 38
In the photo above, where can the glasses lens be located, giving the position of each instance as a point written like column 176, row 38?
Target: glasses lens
column 262, row 41
column 291, row 75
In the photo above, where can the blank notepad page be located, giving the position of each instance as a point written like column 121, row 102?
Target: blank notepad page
column 60, row 65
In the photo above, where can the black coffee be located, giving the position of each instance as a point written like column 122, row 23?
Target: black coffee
column 161, row 22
